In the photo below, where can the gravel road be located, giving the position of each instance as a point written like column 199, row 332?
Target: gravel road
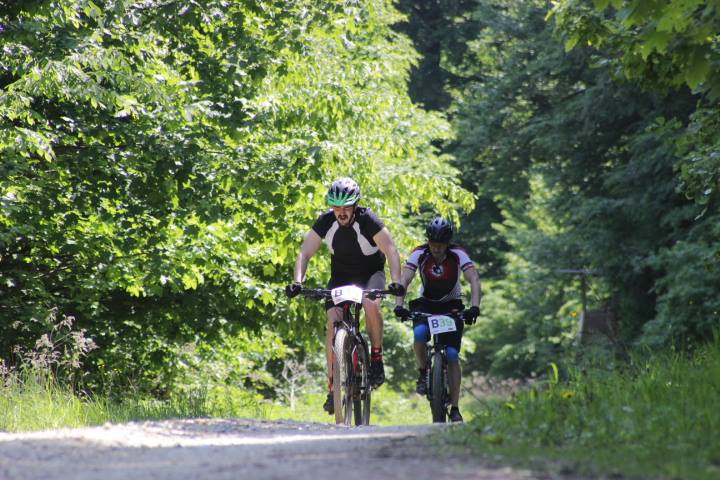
column 237, row 449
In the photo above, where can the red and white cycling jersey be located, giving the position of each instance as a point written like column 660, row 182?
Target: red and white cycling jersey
column 440, row 282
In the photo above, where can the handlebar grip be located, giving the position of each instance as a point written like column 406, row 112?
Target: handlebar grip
column 374, row 294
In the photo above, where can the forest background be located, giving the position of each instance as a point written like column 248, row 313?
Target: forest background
column 161, row 160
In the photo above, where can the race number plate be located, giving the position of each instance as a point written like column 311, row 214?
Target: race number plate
column 347, row 293
column 441, row 324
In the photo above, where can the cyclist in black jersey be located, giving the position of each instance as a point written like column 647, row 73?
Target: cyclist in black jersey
column 441, row 264
column 359, row 244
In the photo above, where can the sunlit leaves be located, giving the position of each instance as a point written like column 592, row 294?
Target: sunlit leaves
column 665, row 37
column 590, row 170
column 161, row 160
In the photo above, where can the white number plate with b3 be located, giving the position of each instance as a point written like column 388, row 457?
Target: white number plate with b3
column 441, row 324
column 347, row 293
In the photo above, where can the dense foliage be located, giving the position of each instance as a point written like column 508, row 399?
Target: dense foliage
column 661, row 46
column 590, row 147
column 161, row 161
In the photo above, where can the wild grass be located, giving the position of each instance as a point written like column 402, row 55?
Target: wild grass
column 35, row 401
column 657, row 416
column 32, row 403
column 41, row 390
column 389, row 407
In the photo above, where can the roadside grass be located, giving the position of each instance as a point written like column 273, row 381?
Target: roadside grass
column 33, row 401
column 656, row 416
column 389, row 407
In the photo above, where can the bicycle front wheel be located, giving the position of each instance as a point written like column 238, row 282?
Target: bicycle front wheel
column 438, row 389
column 343, row 380
column 361, row 396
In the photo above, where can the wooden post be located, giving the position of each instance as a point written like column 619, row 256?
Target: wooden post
column 583, row 293
column 584, row 274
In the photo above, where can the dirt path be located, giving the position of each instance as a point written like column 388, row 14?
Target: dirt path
column 235, row 449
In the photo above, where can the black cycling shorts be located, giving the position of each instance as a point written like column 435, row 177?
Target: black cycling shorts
column 451, row 339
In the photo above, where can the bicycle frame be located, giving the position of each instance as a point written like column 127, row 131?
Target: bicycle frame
column 436, row 367
column 350, row 320
column 351, row 357
column 355, row 363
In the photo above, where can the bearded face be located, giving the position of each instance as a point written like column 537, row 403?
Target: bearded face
column 344, row 215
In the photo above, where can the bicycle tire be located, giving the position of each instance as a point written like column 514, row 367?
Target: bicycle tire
column 342, row 378
column 361, row 398
column 438, row 389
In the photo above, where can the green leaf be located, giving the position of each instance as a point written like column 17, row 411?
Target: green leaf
column 267, row 297
column 189, row 281
column 601, row 5
column 554, row 374
column 136, row 290
column 92, row 11
column 698, row 68
column 654, row 41
column 571, row 42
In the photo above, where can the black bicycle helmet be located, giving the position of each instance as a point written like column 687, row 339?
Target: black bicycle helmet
column 439, row 230
column 343, row 192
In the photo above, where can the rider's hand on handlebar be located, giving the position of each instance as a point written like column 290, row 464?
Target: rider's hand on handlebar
column 293, row 289
column 401, row 312
column 471, row 314
column 396, row 289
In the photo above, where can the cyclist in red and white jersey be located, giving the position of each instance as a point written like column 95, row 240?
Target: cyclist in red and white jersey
column 441, row 264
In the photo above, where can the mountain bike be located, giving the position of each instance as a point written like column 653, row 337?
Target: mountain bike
column 351, row 355
column 438, row 393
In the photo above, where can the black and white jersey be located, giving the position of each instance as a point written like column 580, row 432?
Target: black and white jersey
column 354, row 252
column 440, row 281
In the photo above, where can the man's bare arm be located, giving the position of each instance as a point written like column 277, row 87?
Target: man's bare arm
column 386, row 245
column 311, row 244
column 473, row 278
column 407, row 277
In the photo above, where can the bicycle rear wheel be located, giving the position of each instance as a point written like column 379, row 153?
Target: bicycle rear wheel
column 343, row 380
column 361, row 396
column 438, row 389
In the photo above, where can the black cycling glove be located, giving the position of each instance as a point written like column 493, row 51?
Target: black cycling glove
column 293, row 289
column 401, row 312
column 396, row 289
column 471, row 314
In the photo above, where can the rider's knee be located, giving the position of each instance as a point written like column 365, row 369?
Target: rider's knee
column 332, row 317
column 422, row 333
column 370, row 305
column 453, row 355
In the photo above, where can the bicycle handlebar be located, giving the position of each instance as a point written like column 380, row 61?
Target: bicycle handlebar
column 418, row 315
column 326, row 293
